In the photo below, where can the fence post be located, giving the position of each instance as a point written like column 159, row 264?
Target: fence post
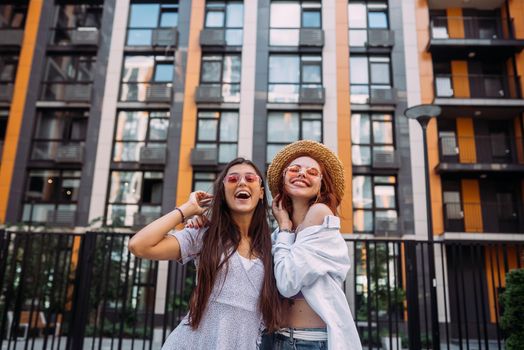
column 412, row 295
column 83, row 276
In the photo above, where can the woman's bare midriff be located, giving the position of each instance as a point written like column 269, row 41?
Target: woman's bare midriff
column 301, row 315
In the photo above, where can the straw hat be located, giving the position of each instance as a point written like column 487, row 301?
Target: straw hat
column 313, row 149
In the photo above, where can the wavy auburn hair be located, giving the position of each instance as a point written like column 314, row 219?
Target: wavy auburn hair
column 327, row 193
column 220, row 242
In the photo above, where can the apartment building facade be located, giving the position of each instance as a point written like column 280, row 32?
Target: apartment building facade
column 111, row 112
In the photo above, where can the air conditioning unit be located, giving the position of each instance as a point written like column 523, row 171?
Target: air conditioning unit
column 385, row 159
column 143, row 219
column 311, row 37
column 61, row 217
column 77, row 92
column 153, row 155
column 384, row 225
column 70, row 153
column 159, row 93
column 313, row 95
column 165, row 37
column 213, row 37
column 208, row 94
column 85, row 36
column 204, row 156
column 381, row 37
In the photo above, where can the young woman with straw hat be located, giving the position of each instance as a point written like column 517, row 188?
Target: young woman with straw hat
column 310, row 256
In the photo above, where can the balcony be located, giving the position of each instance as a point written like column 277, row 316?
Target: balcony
column 463, row 37
column 457, row 93
column 363, row 39
column 302, row 37
column 153, row 154
column 373, row 94
column 491, row 153
column 204, row 157
column 218, row 93
column 11, row 37
column 483, row 217
column 66, row 91
column 146, row 92
column 82, row 36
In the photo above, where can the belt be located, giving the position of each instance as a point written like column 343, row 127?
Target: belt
column 318, row 334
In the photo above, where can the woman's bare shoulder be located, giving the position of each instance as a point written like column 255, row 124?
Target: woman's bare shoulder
column 316, row 214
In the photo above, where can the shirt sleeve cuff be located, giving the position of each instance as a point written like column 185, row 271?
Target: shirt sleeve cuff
column 284, row 237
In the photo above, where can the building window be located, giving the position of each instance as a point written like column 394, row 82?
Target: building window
column 72, row 17
column 218, row 131
column 56, row 129
column 8, row 65
column 68, row 78
column 222, row 72
column 286, row 127
column 368, row 73
column 287, row 18
column 134, row 193
column 289, row 74
column 374, row 200
column 227, row 16
column 364, row 16
column 13, row 16
column 147, row 78
column 145, row 19
column 49, row 192
column 137, row 129
column 204, row 181
column 370, row 133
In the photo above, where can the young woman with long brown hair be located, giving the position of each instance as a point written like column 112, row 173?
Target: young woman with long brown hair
column 235, row 295
column 311, row 258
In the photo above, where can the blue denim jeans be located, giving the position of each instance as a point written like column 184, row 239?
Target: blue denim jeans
column 282, row 342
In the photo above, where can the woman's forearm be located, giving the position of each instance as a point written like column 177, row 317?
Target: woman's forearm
column 151, row 241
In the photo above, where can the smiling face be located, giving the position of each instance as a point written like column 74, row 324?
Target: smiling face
column 303, row 178
column 242, row 189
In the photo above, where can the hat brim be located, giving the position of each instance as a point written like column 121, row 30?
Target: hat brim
column 322, row 154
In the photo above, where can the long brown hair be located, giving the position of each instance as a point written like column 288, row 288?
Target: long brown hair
column 327, row 193
column 221, row 240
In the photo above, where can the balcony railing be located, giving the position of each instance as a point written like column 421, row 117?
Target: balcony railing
column 217, row 93
column 491, row 217
column 482, row 149
column 152, row 37
column 81, row 36
column 296, row 93
column 6, row 91
column 58, row 151
column 477, row 86
column 471, row 28
column 66, row 91
column 11, row 36
column 146, row 92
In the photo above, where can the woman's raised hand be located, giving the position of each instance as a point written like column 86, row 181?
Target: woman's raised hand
column 281, row 214
column 199, row 201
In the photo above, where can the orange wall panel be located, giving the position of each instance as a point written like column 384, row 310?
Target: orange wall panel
column 459, row 72
column 344, row 112
column 496, row 274
column 466, row 140
column 471, row 205
column 455, row 23
column 189, row 114
column 16, row 112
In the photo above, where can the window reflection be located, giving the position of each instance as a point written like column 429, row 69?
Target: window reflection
column 286, row 127
column 370, row 134
column 373, row 197
column 287, row 18
column 218, row 131
column 368, row 73
column 228, row 16
column 222, row 72
column 146, row 19
column 364, row 16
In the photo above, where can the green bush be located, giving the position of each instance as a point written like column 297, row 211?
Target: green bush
column 512, row 301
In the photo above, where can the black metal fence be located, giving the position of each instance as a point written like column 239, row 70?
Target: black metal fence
column 86, row 291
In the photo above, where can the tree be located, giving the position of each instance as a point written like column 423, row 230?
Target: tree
column 512, row 301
